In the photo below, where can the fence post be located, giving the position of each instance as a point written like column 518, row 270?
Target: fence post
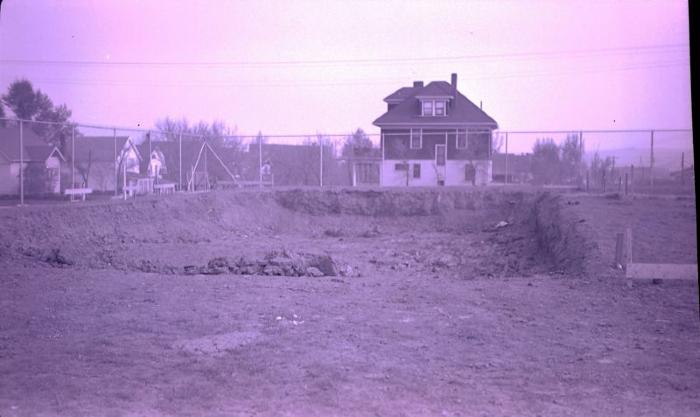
column 260, row 161
column 587, row 188
column 382, row 144
column 116, row 164
column 651, row 164
column 179, row 171
column 626, row 183
column 320, row 169
column 632, row 179
column 505, row 181
column 21, row 163
column 682, row 168
column 72, row 159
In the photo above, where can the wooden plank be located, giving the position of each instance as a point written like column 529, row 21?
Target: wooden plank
column 77, row 191
column 662, row 271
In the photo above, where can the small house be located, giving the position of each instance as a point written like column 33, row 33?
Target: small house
column 40, row 161
column 102, row 162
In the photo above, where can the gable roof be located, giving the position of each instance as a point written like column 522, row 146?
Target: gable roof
column 98, row 149
column 35, row 149
column 461, row 112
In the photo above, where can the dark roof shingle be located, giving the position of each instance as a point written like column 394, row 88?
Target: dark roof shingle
column 461, row 112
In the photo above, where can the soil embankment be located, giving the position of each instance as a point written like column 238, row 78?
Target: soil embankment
column 183, row 233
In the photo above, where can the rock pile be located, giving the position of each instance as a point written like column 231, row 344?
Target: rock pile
column 276, row 263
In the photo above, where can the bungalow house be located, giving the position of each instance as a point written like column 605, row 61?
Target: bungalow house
column 102, row 161
column 433, row 135
column 41, row 163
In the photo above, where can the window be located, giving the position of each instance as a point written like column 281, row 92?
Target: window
column 416, row 170
column 462, row 139
column 439, row 108
column 416, row 139
column 427, row 108
column 401, row 167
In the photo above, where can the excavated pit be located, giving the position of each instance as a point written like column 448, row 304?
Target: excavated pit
column 305, row 232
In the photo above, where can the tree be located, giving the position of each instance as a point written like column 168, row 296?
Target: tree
column 601, row 170
column 216, row 133
column 356, row 142
column 572, row 158
column 2, row 114
column 29, row 104
column 545, row 161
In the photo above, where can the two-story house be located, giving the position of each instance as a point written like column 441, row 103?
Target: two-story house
column 433, row 135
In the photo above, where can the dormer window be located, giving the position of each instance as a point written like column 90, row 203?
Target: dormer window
column 433, row 107
column 439, row 108
column 427, row 108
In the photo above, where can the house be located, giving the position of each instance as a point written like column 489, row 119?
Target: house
column 518, row 167
column 41, row 163
column 102, row 162
column 434, row 135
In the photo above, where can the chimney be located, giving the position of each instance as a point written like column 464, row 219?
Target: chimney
column 418, row 84
column 454, row 81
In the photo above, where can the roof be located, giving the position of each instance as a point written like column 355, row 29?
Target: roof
column 400, row 94
column 97, row 148
column 35, row 149
column 462, row 112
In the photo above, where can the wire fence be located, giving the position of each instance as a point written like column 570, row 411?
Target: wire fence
column 44, row 161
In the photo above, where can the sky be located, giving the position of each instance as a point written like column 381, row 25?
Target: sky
column 301, row 67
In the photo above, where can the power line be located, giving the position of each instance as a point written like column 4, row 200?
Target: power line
column 540, row 54
column 311, row 83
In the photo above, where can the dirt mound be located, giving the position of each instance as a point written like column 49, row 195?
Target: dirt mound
column 422, row 202
column 488, row 231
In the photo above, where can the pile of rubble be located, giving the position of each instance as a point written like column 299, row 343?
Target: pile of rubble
column 276, row 263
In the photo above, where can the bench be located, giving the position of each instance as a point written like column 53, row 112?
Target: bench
column 165, row 188
column 73, row 192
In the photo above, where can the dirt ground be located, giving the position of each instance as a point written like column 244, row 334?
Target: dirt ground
column 663, row 228
column 444, row 315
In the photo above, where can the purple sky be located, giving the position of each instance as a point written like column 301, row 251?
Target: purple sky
column 534, row 64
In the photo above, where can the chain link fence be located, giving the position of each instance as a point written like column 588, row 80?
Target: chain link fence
column 624, row 161
column 45, row 162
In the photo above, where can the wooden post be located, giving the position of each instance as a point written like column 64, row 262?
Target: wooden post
column 587, row 189
column 619, row 184
column 619, row 249
column 626, row 184
column 320, row 164
column 628, row 246
column 632, row 179
column 682, row 168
